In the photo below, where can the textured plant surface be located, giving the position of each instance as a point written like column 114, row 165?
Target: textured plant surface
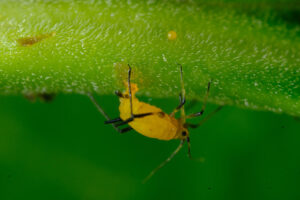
column 251, row 50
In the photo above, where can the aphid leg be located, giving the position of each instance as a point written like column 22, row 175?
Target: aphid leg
column 128, row 120
column 111, row 121
column 124, row 130
column 189, row 147
column 105, row 115
column 124, row 122
column 182, row 102
column 203, row 106
column 205, row 118
column 165, row 162
column 181, row 97
column 129, row 88
column 199, row 159
column 132, row 118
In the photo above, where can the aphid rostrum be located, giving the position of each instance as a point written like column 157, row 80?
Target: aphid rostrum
column 151, row 121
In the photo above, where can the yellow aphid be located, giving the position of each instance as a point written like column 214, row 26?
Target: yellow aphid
column 151, row 121
column 157, row 125
column 172, row 35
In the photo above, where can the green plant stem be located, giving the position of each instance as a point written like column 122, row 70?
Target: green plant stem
column 79, row 47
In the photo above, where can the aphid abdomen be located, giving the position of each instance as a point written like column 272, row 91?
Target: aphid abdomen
column 155, row 127
column 158, row 125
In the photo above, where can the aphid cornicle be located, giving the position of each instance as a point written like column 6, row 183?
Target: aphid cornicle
column 151, row 121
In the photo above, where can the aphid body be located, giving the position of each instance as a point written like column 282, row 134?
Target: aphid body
column 151, row 121
column 158, row 125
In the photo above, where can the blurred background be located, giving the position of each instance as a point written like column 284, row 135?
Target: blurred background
column 62, row 150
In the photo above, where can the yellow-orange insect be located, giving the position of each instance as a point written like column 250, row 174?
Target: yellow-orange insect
column 151, row 121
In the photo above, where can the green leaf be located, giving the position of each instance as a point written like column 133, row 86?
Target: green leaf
column 250, row 50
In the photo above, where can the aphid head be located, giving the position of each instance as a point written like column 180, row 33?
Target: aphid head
column 184, row 133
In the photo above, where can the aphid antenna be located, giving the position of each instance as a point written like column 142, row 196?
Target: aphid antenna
column 106, row 116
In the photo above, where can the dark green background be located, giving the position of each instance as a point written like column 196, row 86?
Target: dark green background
column 62, row 150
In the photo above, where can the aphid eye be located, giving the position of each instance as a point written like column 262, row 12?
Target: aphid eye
column 183, row 133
